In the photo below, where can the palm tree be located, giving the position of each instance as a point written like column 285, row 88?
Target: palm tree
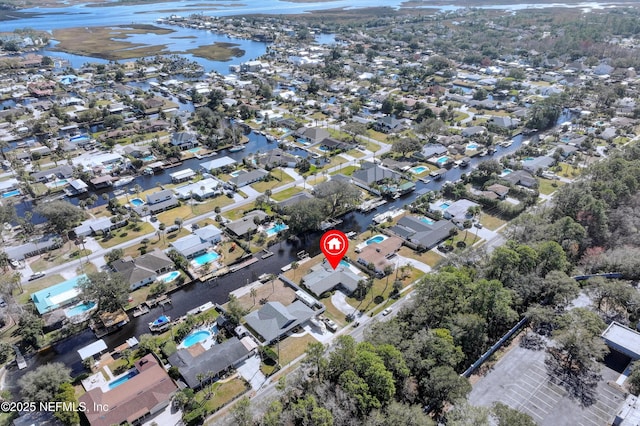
column 4, row 260
column 253, row 293
column 294, row 266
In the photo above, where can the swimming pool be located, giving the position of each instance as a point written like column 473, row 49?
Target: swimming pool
column 194, row 338
column 196, row 149
column 444, row 206
column 203, row 259
column 418, row 169
column 149, row 158
column 376, row 239
column 117, row 382
column 11, row 193
column 79, row 138
column 472, row 146
column 442, row 159
column 345, row 264
column 528, row 159
column 167, row 278
column 236, row 173
column 302, row 141
column 276, row 228
column 426, row 220
column 136, row 202
column 505, row 172
column 79, row 309
column 57, row 184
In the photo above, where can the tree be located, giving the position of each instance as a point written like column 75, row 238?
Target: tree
column 30, row 329
column 42, row 384
column 235, row 310
column 66, row 393
column 114, row 255
column 406, row 145
column 294, row 266
column 242, row 412
column 306, row 411
column 443, row 385
column 355, row 129
column 507, row 416
column 253, row 293
column 315, row 358
column 307, row 215
column 397, row 413
column 109, row 290
column 62, row 215
column 634, row 378
column 341, row 196
column 178, row 221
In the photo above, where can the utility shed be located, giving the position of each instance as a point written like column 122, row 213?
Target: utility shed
column 623, row 339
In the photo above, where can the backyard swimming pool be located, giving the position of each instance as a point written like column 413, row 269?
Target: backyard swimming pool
column 79, row 138
column 442, row 160
column 194, row 338
column 472, row 146
column 376, row 239
column 236, row 173
column 79, row 309
column 444, row 206
column 203, row 259
column 505, row 172
column 11, row 193
column 117, row 382
column 136, row 202
column 275, row 229
column 167, row 278
column 417, row 169
column 149, row 158
column 426, row 220
column 57, row 184
column 196, row 149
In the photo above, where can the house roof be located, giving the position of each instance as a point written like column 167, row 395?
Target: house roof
column 208, row 232
column 374, row 173
column 273, row 319
column 315, row 134
column 458, row 209
column 538, row 163
column 143, row 267
column 276, row 157
column 159, row 196
column 377, row 254
column 132, row 399
column 500, row 190
column 217, row 163
column 190, row 244
column 183, row 138
column 192, row 362
column 295, row 199
column 249, row 177
column 520, row 177
column 323, row 278
column 245, row 224
column 419, row 232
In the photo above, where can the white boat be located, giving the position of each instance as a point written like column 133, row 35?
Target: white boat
column 162, row 323
column 123, row 181
column 236, row 148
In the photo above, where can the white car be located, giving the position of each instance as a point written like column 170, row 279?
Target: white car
column 386, row 312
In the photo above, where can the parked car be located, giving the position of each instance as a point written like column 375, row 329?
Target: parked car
column 14, row 263
column 386, row 312
column 36, row 276
column 332, row 326
column 478, row 225
column 3, row 304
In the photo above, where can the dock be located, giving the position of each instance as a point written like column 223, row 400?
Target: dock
column 331, row 223
column 162, row 300
column 266, row 254
column 373, row 204
column 140, row 310
column 20, row 361
column 244, row 264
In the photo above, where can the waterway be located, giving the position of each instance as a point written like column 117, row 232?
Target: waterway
column 218, row 290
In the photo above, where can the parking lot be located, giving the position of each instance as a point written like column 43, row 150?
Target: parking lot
column 520, row 380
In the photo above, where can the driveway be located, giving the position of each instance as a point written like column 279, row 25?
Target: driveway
column 250, row 370
column 415, row 263
column 339, row 300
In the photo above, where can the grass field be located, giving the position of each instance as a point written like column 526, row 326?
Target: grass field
column 569, row 171
column 283, row 195
column 281, row 178
column 491, row 222
column 546, row 186
column 292, row 347
column 123, row 234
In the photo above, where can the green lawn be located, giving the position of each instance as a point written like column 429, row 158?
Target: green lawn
column 347, row 170
column 292, row 347
column 57, row 257
column 124, row 234
column 36, row 285
column 547, row 187
column 491, row 222
column 283, row 195
column 281, row 178
column 568, row 170
column 223, row 393
column 379, row 136
column 355, row 153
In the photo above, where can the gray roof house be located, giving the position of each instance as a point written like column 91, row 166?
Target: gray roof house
column 430, row 150
column 522, row 178
column 274, row 320
column 190, row 246
column 418, row 233
column 157, row 202
column 313, row 134
column 194, row 361
column 323, row 278
column 472, row 131
column 538, row 163
column 45, row 244
column 277, row 158
column 244, row 179
column 184, row 140
column 294, row 199
column 209, row 233
column 245, row 225
column 457, row 211
column 217, row 163
column 63, row 171
column 388, row 124
column 144, row 269
column 93, row 226
column 371, row 173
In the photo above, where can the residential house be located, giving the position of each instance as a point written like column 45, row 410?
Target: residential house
column 137, row 151
column 534, row 165
column 204, row 188
column 505, row 122
column 276, row 158
column 422, row 233
column 313, row 134
column 247, row 178
column 522, row 178
column 468, row 132
column 388, row 124
column 33, row 248
column 198, row 242
column 246, row 224
column 331, row 144
column 501, row 191
column 221, row 163
column 377, row 256
column 63, row 171
column 294, row 199
column 274, row 320
column 184, row 140
column 182, row 175
column 96, row 226
column 148, row 391
column 194, row 363
column 372, row 174
column 57, row 296
column 324, row 278
column 158, row 202
column 458, row 211
column 430, row 150
column 143, row 269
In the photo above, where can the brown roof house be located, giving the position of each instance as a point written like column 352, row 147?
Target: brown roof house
column 148, row 390
column 377, row 256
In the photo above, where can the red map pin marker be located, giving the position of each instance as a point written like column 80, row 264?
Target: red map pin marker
column 334, row 244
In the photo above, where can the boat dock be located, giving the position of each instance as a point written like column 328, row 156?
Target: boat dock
column 266, row 254
column 331, row 223
column 140, row 310
column 373, row 204
column 244, row 264
column 162, row 300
